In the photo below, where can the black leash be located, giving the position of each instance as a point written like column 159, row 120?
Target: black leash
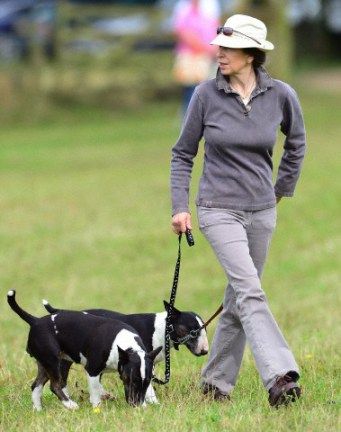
column 169, row 327
column 193, row 334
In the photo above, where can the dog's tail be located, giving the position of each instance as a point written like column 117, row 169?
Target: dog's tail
column 30, row 319
column 50, row 309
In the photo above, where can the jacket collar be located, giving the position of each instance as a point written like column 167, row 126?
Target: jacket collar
column 264, row 81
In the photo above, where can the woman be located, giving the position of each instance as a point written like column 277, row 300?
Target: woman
column 238, row 114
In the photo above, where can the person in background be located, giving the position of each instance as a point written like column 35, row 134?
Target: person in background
column 45, row 18
column 239, row 113
column 194, row 23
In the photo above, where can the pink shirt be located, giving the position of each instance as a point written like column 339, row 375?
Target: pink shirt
column 189, row 18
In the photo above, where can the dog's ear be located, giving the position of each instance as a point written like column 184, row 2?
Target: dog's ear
column 123, row 355
column 154, row 353
column 175, row 311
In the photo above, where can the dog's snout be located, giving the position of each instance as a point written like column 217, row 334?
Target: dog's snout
column 135, row 402
column 203, row 343
column 135, row 399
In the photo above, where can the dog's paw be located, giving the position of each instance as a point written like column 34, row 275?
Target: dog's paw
column 37, row 408
column 152, row 400
column 95, row 402
column 108, row 396
column 70, row 404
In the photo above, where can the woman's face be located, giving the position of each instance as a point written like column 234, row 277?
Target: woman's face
column 233, row 61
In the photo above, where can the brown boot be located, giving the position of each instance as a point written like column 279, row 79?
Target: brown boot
column 213, row 392
column 284, row 391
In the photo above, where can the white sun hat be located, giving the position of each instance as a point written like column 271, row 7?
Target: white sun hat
column 242, row 31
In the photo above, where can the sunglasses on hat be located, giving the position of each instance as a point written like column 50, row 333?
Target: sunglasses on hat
column 228, row 31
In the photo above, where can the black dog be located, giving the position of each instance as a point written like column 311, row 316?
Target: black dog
column 98, row 343
column 151, row 329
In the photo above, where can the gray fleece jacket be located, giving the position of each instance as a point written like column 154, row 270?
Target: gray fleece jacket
column 239, row 141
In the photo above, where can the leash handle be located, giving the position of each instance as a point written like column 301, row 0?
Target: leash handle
column 189, row 237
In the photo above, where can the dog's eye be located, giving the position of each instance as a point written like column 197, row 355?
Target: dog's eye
column 181, row 330
column 124, row 376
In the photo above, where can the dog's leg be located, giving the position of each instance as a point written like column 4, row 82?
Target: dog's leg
column 65, row 366
column 151, row 396
column 95, row 388
column 53, row 370
column 37, row 387
column 47, row 351
column 105, row 395
column 58, row 391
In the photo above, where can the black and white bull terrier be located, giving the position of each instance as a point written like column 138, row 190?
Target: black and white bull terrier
column 99, row 344
column 151, row 329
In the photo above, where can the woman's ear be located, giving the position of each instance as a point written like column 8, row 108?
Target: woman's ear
column 249, row 59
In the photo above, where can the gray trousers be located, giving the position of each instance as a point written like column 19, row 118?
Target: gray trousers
column 241, row 240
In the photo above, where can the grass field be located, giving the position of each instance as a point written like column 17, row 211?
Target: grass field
column 85, row 222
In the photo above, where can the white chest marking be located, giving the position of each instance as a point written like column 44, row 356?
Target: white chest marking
column 159, row 334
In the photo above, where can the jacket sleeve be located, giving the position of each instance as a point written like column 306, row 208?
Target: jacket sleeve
column 294, row 146
column 183, row 154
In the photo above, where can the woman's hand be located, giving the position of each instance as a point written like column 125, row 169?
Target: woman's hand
column 181, row 222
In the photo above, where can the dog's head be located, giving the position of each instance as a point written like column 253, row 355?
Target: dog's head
column 184, row 323
column 135, row 369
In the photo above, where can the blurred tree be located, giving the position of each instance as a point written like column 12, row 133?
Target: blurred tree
column 122, row 2
column 272, row 12
column 331, row 29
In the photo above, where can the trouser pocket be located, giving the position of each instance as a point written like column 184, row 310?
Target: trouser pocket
column 208, row 216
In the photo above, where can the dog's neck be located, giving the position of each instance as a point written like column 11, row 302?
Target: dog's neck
column 159, row 333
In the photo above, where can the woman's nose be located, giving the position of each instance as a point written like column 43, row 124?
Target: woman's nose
column 221, row 53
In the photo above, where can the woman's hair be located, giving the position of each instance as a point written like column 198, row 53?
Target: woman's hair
column 259, row 56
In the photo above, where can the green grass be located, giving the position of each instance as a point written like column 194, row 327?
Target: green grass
column 85, row 217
